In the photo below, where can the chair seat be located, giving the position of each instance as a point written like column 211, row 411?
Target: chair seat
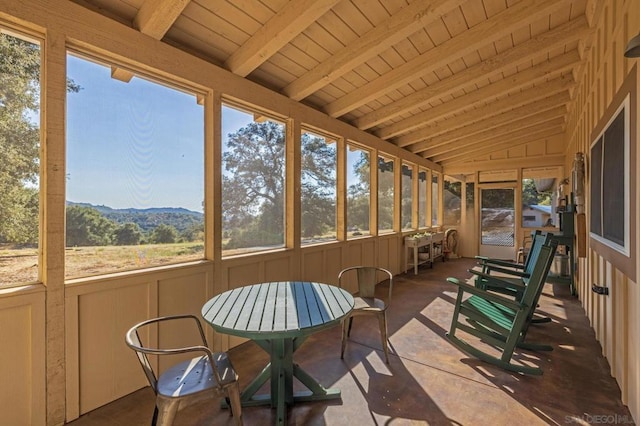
column 368, row 304
column 195, row 375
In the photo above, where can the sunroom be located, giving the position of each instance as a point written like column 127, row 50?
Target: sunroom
column 157, row 153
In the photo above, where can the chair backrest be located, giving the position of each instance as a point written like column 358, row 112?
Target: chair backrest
column 535, row 282
column 133, row 340
column 367, row 277
column 539, row 239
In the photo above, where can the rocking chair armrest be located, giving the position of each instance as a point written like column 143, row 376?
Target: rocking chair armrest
column 497, row 281
column 492, row 297
column 491, row 268
column 491, row 263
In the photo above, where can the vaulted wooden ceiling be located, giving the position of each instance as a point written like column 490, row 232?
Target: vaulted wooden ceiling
column 450, row 80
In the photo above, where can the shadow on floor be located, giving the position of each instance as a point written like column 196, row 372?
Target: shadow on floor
column 428, row 381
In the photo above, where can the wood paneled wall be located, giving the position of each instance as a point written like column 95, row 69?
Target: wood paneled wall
column 616, row 317
column 74, row 359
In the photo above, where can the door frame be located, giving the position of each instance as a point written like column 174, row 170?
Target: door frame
column 517, row 211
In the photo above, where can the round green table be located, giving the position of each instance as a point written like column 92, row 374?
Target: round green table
column 279, row 317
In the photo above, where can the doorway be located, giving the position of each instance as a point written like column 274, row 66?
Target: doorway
column 497, row 221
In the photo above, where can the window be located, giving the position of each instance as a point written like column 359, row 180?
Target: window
column 358, row 191
column 435, row 203
column 452, row 202
column 422, row 198
column 135, row 173
column 253, row 182
column 613, row 172
column 539, row 197
column 318, row 188
column 386, row 185
column 609, row 183
column 20, row 165
column 407, row 197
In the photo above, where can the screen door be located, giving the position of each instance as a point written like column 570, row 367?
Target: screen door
column 497, row 222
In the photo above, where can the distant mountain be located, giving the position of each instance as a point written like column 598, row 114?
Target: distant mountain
column 148, row 219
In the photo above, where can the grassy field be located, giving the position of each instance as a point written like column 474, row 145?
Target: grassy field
column 20, row 265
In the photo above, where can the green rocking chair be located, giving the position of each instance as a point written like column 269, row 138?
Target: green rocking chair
column 501, row 321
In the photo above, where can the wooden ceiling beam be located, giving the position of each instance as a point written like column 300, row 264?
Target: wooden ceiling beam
column 398, row 27
column 546, row 133
column 534, row 99
column 284, row 26
column 493, row 131
column 155, row 17
column 504, row 141
column 555, row 105
column 466, row 167
column 498, row 26
column 573, row 30
column 543, row 71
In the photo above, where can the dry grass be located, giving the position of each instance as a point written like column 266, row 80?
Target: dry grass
column 20, row 265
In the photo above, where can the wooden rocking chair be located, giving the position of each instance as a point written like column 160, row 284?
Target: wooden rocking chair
column 501, row 321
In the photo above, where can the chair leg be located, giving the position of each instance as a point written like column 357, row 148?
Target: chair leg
column 167, row 411
column 350, row 324
column 235, row 406
column 154, row 420
column 382, row 319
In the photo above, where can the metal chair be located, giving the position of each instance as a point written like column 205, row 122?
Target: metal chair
column 366, row 303
column 208, row 375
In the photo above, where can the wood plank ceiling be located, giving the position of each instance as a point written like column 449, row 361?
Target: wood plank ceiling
column 450, row 80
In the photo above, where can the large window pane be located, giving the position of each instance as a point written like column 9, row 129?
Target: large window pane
column 253, row 182
column 386, row 185
column 435, row 202
column 407, row 196
column 539, row 197
column 422, row 198
column 318, row 192
column 135, row 173
column 358, row 191
column 20, row 163
column 452, row 202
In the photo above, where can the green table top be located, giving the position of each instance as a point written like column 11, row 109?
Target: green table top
column 277, row 310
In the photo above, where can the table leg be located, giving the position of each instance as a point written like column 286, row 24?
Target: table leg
column 281, row 370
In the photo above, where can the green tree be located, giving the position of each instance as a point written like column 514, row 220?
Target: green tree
column 318, row 192
column 253, row 185
column 194, row 232
column 164, row 234
column 20, row 139
column 386, row 184
column 127, row 234
column 358, row 194
column 88, row 227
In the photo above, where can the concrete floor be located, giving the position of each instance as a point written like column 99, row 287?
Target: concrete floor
column 428, row 381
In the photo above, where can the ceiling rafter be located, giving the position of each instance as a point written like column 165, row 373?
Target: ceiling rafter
column 446, row 140
column 557, row 37
column 556, row 90
column 511, row 139
column 381, row 37
column 493, row 130
column 285, row 25
column 154, row 18
column 484, row 33
column 544, row 160
column 543, row 71
column 508, row 143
